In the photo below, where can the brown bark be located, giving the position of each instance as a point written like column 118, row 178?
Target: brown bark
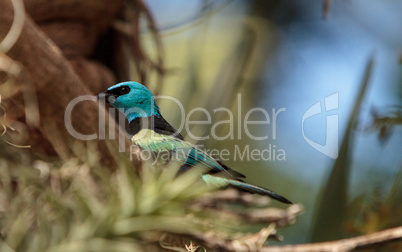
column 55, row 83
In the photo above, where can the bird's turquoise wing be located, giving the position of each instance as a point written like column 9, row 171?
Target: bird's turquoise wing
column 182, row 151
column 190, row 156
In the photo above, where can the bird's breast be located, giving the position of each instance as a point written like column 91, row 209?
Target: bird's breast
column 146, row 136
column 150, row 140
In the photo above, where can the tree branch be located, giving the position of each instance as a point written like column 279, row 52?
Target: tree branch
column 55, row 84
column 277, row 217
column 349, row 244
column 216, row 201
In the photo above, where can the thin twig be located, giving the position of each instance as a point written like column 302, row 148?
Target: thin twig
column 326, row 8
column 349, row 244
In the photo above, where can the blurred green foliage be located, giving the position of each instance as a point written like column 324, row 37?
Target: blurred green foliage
column 79, row 205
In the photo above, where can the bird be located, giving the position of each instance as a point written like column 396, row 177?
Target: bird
column 151, row 132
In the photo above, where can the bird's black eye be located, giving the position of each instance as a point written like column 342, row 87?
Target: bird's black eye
column 124, row 90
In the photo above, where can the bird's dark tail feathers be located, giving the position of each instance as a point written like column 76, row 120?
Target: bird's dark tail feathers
column 220, row 182
column 259, row 190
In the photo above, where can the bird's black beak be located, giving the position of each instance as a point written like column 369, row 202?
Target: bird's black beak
column 104, row 97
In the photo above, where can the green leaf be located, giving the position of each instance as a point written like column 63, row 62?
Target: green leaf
column 331, row 206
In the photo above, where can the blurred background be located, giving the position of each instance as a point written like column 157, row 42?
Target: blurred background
column 293, row 54
column 342, row 58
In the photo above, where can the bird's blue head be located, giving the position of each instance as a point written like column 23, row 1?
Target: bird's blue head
column 133, row 99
